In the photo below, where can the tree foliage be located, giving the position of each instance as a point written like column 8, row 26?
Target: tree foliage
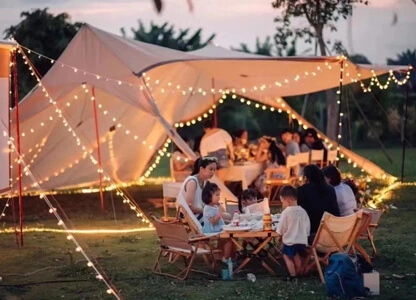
column 44, row 33
column 319, row 15
column 165, row 36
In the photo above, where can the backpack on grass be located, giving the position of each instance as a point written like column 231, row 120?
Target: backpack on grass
column 342, row 279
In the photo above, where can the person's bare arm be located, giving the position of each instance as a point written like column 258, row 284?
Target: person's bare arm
column 190, row 189
column 230, row 148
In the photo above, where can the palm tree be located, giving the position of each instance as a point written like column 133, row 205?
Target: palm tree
column 165, row 36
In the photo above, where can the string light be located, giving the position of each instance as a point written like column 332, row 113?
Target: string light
column 139, row 213
column 61, row 223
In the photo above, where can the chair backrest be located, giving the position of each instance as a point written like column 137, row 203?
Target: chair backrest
column 303, row 158
column 364, row 224
column 317, row 155
column 172, row 169
column 261, row 207
column 292, row 165
column 337, row 233
column 172, row 234
column 231, row 206
column 189, row 216
column 171, row 189
column 375, row 217
column 332, row 156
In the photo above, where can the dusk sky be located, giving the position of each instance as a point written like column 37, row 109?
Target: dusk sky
column 235, row 21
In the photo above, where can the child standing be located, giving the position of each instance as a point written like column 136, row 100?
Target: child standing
column 212, row 216
column 294, row 228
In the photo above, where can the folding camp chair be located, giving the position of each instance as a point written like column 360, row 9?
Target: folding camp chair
column 369, row 233
column 332, row 157
column 175, row 243
column 317, row 157
column 334, row 234
column 276, row 177
column 170, row 193
column 363, row 227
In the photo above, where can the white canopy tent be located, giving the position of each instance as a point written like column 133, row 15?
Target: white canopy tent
column 141, row 91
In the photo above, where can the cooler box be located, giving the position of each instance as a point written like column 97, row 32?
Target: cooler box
column 372, row 281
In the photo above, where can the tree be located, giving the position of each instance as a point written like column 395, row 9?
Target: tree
column 44, row 33
column 320, row 15
column 165, row 36
column 268, row 48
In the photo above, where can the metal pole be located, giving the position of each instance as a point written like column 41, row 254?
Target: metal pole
column 404, row 129
column 19, row 163
column 97, row 135
column 341, row 75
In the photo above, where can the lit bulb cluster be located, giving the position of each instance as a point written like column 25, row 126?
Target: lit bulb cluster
column 133, row 205
column 3, row 214
column 61, row 222
column 391, row 78
column 160, row 153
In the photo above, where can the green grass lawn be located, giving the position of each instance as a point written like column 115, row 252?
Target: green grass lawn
column 48, row 267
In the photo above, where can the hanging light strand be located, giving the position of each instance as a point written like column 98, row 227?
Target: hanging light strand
column 53, row 210
column 133, row 205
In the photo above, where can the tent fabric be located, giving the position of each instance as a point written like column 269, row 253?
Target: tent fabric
column 141, row 91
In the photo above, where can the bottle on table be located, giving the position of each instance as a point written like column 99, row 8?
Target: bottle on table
column 236, row 218
column 267, row 222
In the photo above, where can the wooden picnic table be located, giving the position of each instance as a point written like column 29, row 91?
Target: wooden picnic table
column 241, row 239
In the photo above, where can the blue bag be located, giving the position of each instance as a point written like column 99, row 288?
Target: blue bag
column 342, row 279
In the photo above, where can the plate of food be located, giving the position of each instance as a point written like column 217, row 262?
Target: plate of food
column 233, row 228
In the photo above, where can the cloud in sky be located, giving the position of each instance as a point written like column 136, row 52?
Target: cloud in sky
column 233, row 21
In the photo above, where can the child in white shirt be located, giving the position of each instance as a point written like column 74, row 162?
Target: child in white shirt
column 294, row 228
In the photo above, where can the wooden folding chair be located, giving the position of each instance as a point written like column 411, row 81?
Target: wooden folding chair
column 317, row 157
column 332, row 157
column 170, row 193
column 363, row 227
column 176, row 243
column 276, row 177
column 369, row 233
column 334, row 234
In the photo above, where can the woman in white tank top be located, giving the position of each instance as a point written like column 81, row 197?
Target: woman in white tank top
column 191, row 190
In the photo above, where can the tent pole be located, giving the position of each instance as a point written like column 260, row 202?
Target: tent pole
column 19, row 165
column 341, row 73
column 214, row 115
column 94, row 104
column 404, row 130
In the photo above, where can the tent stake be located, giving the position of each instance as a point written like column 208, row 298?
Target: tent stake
column 19, row 163
column 97, row 134
column 404, row 130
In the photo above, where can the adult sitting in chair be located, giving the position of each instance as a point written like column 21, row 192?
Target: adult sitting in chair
column 316, row 196
column 191, row 190
column 345, row 196
column 314, row 142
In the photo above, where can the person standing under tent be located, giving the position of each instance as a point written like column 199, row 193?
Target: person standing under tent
column 345, row 197
column 291, row 148
column 191, row 190
column 218, row 143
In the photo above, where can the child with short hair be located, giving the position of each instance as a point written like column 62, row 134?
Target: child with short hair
column 212, row 216
column 294, row 228
column 247, row 198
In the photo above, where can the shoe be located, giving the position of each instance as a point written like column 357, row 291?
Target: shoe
column 293, row 279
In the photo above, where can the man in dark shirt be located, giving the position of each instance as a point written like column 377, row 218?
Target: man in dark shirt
column 315, row 143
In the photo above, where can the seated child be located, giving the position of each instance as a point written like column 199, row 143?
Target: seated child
column 294, row 228
column 248, row 197
column 212, row 216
